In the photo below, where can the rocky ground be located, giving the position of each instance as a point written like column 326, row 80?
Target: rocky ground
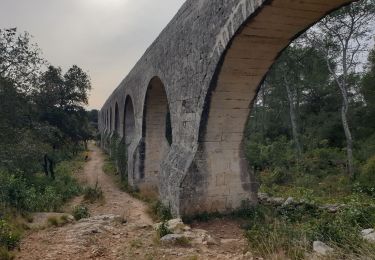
column 119, row 228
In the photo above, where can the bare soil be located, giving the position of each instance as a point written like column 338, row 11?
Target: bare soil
column 120, row 228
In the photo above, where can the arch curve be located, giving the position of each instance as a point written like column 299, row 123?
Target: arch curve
column 213, row 56
column 156, row 134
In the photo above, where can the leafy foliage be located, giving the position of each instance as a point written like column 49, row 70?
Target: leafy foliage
column 93, row 194
column 291, row 230
column 80, row 212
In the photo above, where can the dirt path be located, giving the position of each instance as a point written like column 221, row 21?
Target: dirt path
column 105, row 236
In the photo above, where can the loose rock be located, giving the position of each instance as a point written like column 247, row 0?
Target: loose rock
column 288, row 202
column 369, row 235
column 321, row 248
column 172, row 239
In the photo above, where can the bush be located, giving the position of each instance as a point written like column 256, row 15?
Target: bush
column 109, row 167
column 160, row 212
column 291, row 230
column 163, row 229
column 92, row 195
column 38, row 193
column 274, row 176
column 114, row 141
column 366, row 179
column 278, row 237
column 122, row 160
column 9, row 238
column 53, row 221
column 5, row 254
column 80, row 212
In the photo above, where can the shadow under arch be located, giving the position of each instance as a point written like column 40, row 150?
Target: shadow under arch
column 117, row 120
column 110, row 120
column 128, row 130
column 220, row 164
column 156, row 135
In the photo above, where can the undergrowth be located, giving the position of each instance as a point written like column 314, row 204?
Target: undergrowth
column 93, row 194
column 80, row 212
column 21, row 194
column 292, row 230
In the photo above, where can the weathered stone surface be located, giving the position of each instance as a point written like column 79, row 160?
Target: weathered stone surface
column 321, row 248
column 288, row 202
column 276, row 201
column 368, row 231
column 263, row 196
column 332, row 208
column 176, row 226
column 171, row 239
column 183, row 108
column 369, row 235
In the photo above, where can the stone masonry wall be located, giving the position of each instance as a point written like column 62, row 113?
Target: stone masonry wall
column 211, row 59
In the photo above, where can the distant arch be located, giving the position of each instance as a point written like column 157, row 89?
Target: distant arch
column 107, row 120
column 117, row 121
column 129, row 121
column 110, row 120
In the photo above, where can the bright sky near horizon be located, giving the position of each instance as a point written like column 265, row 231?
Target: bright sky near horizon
column 104, row 37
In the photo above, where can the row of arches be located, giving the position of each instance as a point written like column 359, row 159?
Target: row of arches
column 156, row 133
column 208, row 171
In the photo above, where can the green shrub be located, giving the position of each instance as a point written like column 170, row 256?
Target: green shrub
column 122, row 160
column 38, row 193
column 322, row 162
column 109, row 167
column 114, row 141
column 366, row 178
column 92, row 195
column 160, row 211
column 9, row 237
column 53, row 221
column 80, row 212
column 291, row 230
column 163, row 229
column 64, row 219
column 278, row 237
column 5, row 254
column 274, row 176
column 335, row 230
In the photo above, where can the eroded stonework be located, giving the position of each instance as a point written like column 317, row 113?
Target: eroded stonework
column 210, row 61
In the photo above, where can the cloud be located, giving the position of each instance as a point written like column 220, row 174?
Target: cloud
column 104, row 37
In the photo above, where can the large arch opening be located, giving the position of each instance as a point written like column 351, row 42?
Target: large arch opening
column 220, row 165
column 117, row 120
column 156, row 134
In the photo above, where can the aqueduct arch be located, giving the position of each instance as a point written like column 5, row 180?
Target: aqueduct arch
column 117, row 120
column 129, row 121
column 213, row 56
column 155, row 126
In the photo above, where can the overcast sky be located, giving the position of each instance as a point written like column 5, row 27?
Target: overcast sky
column 104, row 37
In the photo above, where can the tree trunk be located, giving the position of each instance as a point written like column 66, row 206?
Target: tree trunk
column 293, row 120
column 344, row 112
column 348, row 134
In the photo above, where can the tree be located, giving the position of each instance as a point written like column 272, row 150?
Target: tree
column 60, row 99
column 342, row 37
column 285, row 74
column 20, row 60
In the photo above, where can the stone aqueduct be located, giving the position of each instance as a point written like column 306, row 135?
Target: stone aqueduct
column 183, row 108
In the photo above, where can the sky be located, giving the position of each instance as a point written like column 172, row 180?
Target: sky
column 103, row 37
